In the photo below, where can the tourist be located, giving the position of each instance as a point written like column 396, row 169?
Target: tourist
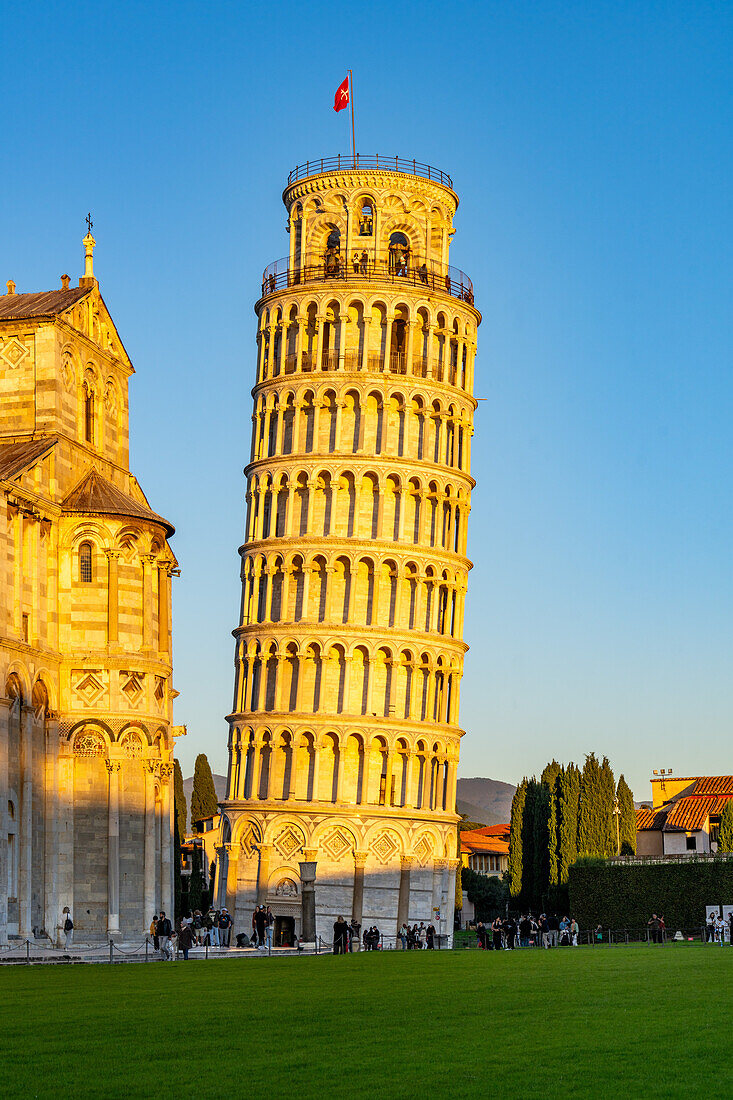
column 412, row 937
column 402, row 936
column 225, row 924
column 719, row 930
column 171, row 948
column 423, row 273
column 653, row 924
column 164, row 929
column 340, row 937
column 430, row 937
column 364, row 262
column 198, row 927
column 525, row 930
column 710, row 928
column 67, row 927
column 574, row 930
column 154, row 931
column 553, row 925
column 354, row 930
column 496, row 933
column 269, row 926
column 422, row 935
column 510, row 931
column 481, row 934
column 544, row 930
column 186, row 939
column 260, row 925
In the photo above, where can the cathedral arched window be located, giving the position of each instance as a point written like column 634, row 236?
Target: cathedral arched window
column 85, row 563
column 89, row 414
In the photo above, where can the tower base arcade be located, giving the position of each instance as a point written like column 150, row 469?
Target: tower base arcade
column 374, row 869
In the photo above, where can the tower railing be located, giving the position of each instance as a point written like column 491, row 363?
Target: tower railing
column 343, row 162
column 335, row 267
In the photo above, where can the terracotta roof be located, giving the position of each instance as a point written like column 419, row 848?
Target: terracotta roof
column 46, row 303
column 502, row 831
column 714, row 784
column 475, row 840
column 692, row 811
column 97, row 496
column 647, row 818
column 17, row 457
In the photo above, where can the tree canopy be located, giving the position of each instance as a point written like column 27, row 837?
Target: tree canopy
column 203, row 797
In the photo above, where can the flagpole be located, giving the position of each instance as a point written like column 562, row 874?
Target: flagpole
column 351, row 101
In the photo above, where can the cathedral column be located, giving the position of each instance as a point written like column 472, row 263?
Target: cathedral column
column 147, row 608
column 5, row 705
column 166, row 835
column 150, row 771
column 113, row 849
column 263, row 876
column 403, row 902
column 113, row 557
column 51, row 829
column 357, row 904
column 25, row 862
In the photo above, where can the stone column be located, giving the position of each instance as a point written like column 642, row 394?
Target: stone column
column 263, row 877
column 65, row 829
column 113, row 557
column 308, row 894
column 409, row 776
column 25, row 863
column 51, row 907
column 113, row 849
column 357, row 904
column 166, row 839
column 439, row 868
column 403, row 903
column 316, row 769
column 5, row 705
column 290, row 509
column 150, row 771
column 256, row 766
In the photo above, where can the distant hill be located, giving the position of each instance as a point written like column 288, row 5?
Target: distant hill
column 220, row 786
column 486, row 800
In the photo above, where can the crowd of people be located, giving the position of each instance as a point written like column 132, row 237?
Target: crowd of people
column 718, row 930
column 546, row 930
column 210, row 929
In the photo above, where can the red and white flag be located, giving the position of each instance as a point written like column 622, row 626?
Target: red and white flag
column 341, row 99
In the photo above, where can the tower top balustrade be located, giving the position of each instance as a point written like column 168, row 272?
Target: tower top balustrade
column 371, row 162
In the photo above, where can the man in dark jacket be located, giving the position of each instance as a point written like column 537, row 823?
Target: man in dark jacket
column 163, row 930
column 340, row 937
column 260, row 925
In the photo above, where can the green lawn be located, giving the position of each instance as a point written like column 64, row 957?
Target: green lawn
column 625, row 1022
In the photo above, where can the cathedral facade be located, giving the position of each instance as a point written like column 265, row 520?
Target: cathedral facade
column 86, row 744
column 344, row 734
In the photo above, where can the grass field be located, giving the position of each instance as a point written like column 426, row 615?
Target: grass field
column 626, row 1022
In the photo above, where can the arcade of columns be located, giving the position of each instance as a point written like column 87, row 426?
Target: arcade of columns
column 344, row 733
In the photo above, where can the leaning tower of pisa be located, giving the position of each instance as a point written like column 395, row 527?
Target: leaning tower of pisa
column 344, row 734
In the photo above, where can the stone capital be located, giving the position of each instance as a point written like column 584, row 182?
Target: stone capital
column 113, row 554
column 406, row 862
column 112, row 766
column 310, row 854
column 360, row 858
column 440, row 864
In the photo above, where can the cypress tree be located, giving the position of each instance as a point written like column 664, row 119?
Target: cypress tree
column 568, row 797
column 528, row 843
column 607, row 821
column 540, row 845
column 515, row 839
column 591, row 839
column 549, row 781
column 180, row 812
column 203, row 796
column 196, row 886
column 725, row 837
column 627, row 817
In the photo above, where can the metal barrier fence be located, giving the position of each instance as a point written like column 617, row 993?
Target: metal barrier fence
column 588, row 937
column 446, row 280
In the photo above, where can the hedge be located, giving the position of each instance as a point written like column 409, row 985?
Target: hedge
column 618, row 895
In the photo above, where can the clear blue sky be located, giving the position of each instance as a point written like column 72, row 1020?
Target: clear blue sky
column 591, row 147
